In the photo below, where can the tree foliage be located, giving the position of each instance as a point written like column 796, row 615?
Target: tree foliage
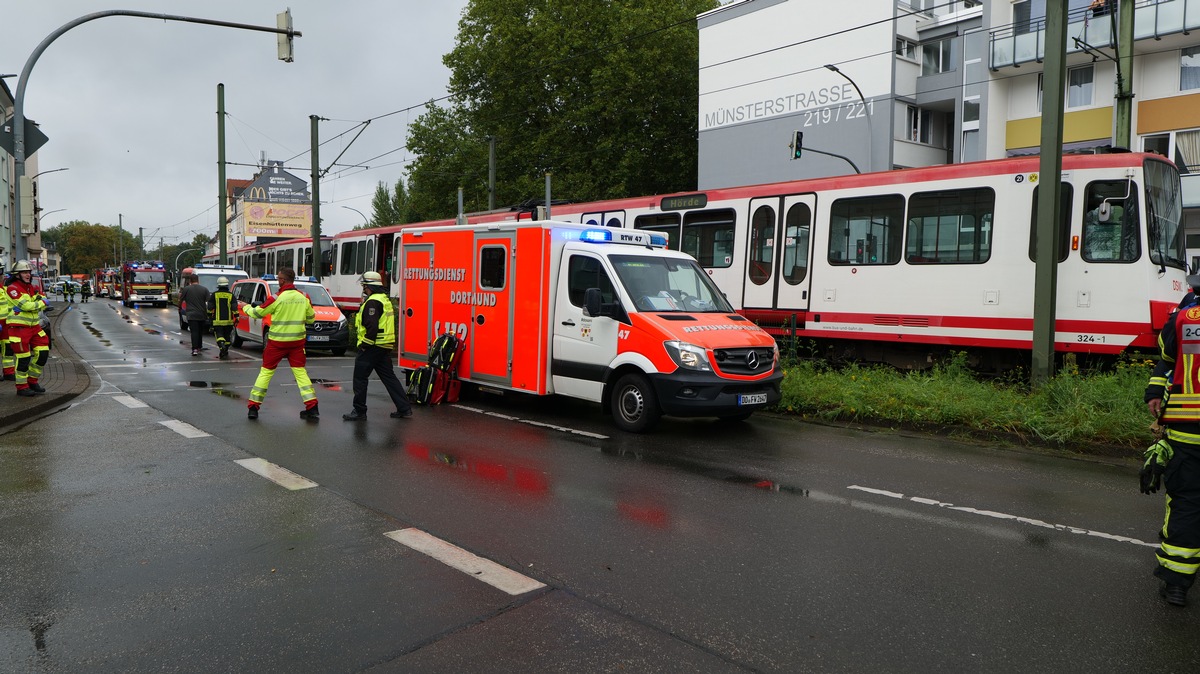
column 83, row 247
column 389, row 207
column 603, row 95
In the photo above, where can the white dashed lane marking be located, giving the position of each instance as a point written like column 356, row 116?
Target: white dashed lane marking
column 185, row 429
column 500, row 577
column 130, row 402
column 1004, row 516
column 277, row 474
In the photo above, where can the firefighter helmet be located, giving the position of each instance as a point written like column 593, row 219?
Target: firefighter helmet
column 372, row 278
column 22, row 265
column 222, row 281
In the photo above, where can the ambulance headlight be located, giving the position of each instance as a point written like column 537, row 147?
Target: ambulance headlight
column 688, row 356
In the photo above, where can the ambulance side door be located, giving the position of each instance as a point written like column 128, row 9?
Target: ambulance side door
column 492, row 330
column 416, row 302
column 584, row 346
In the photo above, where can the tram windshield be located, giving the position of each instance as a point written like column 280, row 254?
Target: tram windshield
column 1164, row 215
column 668, row 284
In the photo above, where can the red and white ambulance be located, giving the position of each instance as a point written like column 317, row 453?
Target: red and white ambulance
column 607, row 315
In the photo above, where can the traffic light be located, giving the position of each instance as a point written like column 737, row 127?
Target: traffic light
column 797, row 144
column 283, row 21
column 858, row 251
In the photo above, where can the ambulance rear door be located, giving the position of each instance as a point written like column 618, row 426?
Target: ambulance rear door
column 490, row 341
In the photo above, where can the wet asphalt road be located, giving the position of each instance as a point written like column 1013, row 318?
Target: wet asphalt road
column 763, row 546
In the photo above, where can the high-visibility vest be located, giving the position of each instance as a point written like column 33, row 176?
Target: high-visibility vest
column 290, row 313
column 386, row 334
column 1183, row 403
column 5, row 308
column 24, row 297
column 223, row 308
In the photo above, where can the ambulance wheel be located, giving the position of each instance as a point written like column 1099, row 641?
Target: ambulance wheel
column 236, row 340
column 634, row 405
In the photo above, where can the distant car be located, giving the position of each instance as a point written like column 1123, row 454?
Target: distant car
column 208, row 275
column 328, row 332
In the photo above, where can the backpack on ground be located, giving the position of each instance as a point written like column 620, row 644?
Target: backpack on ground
column 443, row 353
column 420, row 385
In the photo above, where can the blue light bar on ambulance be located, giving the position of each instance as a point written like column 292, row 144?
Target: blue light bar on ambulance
column 636, row 238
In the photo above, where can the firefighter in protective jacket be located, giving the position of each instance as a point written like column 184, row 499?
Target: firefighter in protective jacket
column 29, row 343
column 291, row 313
column 6, row 352
column 222, row 313
column 1173, row 397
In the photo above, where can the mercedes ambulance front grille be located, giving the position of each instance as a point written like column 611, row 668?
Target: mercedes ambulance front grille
column 744, row 361
column 325, row 327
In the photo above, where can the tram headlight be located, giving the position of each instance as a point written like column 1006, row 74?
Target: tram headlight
column 688, row 356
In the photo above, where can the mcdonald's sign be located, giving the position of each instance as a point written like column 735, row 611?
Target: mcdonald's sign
column 256, row 193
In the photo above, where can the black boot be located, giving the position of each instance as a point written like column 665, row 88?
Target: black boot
column 355, row 416
column 252, row 413
column 310, row 414
column 1176, row 595
column 36, row 387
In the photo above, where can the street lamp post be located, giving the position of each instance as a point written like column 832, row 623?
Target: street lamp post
column 867, row 112
column 283, row 29
column 366, row 221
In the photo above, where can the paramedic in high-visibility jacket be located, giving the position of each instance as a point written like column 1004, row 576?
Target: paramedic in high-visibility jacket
column 1174, row 462
column 291, row 312
column 30, row 344
column 375, row 327
column 222, row 313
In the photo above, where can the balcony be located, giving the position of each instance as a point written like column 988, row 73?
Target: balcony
column 1018, row 43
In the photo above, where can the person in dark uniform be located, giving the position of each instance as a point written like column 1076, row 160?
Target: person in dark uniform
column 375, row 325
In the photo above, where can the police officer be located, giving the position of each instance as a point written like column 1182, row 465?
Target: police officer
column 375, row 327
column 222, row 313
column 29, row 342
column 1174, row 462
column 290, row 312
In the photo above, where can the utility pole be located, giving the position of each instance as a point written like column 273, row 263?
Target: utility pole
column 222, row 198
column 316, row 199
column 141, row 244
column 121, row 236
column 1124, row 107
column 1049, row 200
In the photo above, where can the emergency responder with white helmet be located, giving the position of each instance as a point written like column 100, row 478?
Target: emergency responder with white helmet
column 375, row 330
column 30, row 344
column 222, row 311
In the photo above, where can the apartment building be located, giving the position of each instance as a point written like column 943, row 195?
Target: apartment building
column 903, row 83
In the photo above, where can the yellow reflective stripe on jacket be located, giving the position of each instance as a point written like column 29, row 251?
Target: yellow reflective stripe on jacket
column 290, row 313
column 30, row 308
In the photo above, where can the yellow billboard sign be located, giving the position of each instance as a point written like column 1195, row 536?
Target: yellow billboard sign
column 265, row 219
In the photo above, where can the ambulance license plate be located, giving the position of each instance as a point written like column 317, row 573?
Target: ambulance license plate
column 318, row 338
column 753, row 399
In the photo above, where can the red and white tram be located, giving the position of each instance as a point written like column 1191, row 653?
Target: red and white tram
column 903, row 265
column 268, row 258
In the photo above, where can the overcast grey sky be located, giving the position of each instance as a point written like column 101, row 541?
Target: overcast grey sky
column 129, row 104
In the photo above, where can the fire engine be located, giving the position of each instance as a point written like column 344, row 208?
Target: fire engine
column 144, row 283
column 104, row 280
column 601, row 314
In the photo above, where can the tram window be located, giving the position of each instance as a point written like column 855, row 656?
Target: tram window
column 366, row 261
column 1110, row 222
column 331, row 262
column 762, row 245
column 286, row 259
column 950, row 227
column 271, row 268
column 866, row 230
column 708, row 237
column 491, row 267
column 396, row 260
column 1064, row 223
column 666, row 224
column 613, row 222
column 795, row 244
column 348, row 257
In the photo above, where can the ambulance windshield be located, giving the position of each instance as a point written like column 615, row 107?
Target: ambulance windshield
column 663, row 284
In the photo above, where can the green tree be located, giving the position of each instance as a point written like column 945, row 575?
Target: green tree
column 601, row 94
column 389, row 207
column 83, row 246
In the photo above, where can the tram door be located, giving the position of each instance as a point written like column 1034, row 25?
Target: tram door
column 778, row 253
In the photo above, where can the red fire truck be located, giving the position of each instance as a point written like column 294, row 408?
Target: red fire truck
column 144, row 283
column 104, row 281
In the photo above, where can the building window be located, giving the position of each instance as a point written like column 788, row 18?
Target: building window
column 1079, row 86
column 936, row 57
column 920, row 125
column 970, row 111
column 1039, row 93
column 1189, row 69
column 906, row 48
